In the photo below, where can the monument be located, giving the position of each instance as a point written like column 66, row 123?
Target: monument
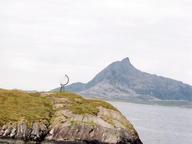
column 64, row 83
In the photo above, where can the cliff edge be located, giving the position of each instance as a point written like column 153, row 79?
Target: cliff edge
column 61, row 118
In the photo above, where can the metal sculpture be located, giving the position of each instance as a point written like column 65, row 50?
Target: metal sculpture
column 64, row 83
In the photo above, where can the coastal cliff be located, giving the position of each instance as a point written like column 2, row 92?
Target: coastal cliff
column 61, row 118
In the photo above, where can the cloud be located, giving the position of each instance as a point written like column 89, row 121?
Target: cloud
column 40, row 41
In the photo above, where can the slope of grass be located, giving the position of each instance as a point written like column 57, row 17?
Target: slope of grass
column 79, row 105
column 18, row 105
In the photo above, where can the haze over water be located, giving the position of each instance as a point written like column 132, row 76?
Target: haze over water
column 159, row 124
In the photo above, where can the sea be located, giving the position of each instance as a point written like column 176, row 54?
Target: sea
column 157, row 124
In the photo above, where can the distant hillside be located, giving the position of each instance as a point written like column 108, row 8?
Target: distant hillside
column 121, row 80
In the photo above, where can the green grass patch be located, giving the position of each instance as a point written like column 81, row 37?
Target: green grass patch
column 17, row 105
column 79, row 105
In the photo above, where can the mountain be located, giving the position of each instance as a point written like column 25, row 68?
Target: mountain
column 121, row 80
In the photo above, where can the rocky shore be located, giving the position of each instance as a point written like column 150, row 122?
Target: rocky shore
column 72, row 119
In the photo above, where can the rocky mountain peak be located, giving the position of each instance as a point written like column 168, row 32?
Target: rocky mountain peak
column 125, row 63
column 126, row 60
column 123, row 77
column 116, row 72
column 123, row 67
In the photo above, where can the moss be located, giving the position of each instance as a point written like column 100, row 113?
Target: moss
column 17, row 105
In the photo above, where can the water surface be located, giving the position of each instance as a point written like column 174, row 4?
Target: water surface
column 159, row 124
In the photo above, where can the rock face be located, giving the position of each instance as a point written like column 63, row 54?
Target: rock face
column 74, row 120
column 121, row 80
column 21, row 130
column 106, row 126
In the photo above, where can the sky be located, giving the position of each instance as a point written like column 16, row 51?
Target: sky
column 42, row 40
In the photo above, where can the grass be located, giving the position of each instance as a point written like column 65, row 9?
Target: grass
column 32, row 107
column 79, row 105
column 17, row 105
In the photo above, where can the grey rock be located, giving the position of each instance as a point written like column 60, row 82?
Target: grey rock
column 108, row 126
column 22, row 130
column 13, row 132
column 39, row 130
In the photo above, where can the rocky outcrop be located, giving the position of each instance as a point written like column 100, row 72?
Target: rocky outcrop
column 75, row 120
column 21, row 130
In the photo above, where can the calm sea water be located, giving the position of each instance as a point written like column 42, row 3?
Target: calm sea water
column 159, row 124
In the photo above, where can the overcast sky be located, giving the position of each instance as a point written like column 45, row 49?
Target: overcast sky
column 41, row 40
